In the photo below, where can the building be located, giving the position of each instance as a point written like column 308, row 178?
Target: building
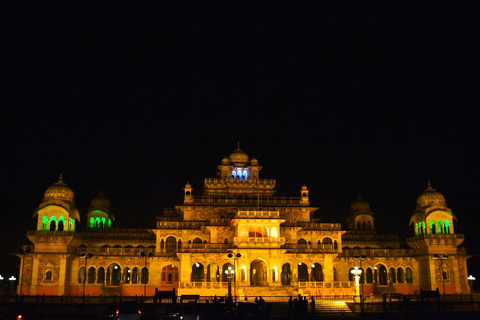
column 238, row 237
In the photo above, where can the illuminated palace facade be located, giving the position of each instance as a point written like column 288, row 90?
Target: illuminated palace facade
column 238, row 231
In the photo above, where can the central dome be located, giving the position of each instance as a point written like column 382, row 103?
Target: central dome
column 360, row 206
column 59, row 190
column 238, row 158
column 430, row 196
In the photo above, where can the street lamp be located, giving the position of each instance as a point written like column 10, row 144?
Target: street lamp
column 443, row 257
column 235, row 257
column 360, row 258
column 145, row 280
column 356, row 275
column 230, row 273
column 12, row 279
column 470, row 280
column 85, row 256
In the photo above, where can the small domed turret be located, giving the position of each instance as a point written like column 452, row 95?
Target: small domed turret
column 361, row 216
column 225, row 161
column 254, row 162
column 59, row 190
column 100, row 213
column 360, row 206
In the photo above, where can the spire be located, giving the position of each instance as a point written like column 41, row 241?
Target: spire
column 238, row 145
column 61, row 178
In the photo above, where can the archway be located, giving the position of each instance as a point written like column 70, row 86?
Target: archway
column 114, row 275
column 302, row 272
column 169, row 275
column 382, row 275
column 197, row 272
column 286, row 274
column 226, row 267
column 317, row 272
column 171, row 244
column 258, row 273
column 213, row 273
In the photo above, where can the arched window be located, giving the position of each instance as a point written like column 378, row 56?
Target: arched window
column 53, row 224
column 302, row 241
column 135, row 275
column 225, row 241
column 128, row 248
column 61, row 223
column 286, row 275
column 447, row 227
column 127, row 273
column 408, row 275
column 44, row 223
column 144, row 276
column 251, row 232
column 364, row 225
column 197, row 272
column 432, row 227
column 104, row 223
column 197, row 243
column 258, row 232
column 226, row 267
column 382, row 275
column 81, row 275
column 274, row 232
column 213, row 273
column 91, row 275
column 316, row 272
column 302, row 272
column 245, row 175
column 97, row 222
column 369, row 275
column 400, row 275
column 359, row 225
column 114, row 275
column 445, row 275
column 171, row 244
column 265, row 232
column 105, row 248
column 48, row 275
column 169, row 275
column 439, row 227
column 327, row 240
column 393, row 274
column 162, row 244
column 101, row 275
column 234, row 174
column 92, row 222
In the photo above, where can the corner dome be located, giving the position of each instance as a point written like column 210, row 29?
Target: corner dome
column 238, row 158
column 254, row 162
column 101, row 202
column 59, row 190
column 225, row 161
column 360, row 206
column 430, row 196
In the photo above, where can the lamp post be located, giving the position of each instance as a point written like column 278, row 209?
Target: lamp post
column 360, row 258
column 230, row 273
column 85, row 256
column 356, row 275
column 443, row 257
column 12, row 279
column 235, row 257
column 143, row 254
column 470, row 280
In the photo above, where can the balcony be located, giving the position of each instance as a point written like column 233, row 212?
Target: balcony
column 378, row 252
column 310, row 247
column 208, row 200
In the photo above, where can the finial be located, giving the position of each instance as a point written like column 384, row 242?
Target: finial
column 429, row 186
column 238, row 145
column 61, row 178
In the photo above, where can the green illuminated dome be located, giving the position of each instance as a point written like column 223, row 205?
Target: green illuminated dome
column 238, row 158
column 59, row 190
column 430, row 196
column 102, row 203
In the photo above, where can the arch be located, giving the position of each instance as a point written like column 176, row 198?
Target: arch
column 169, row 275
column 197, row 274
column 274, row 232
column 114, row 275
column 369, row 225
column 44, row 223
column 440, row 227
column 91, row 275
column 327, row 240
column 128, row 248
column 135, row 273
column 53, row 223
column 369, row 275
column 48, row 275
column 144, row 276
column 351, row 277
column 424, row 228
column 97, row 222
column 197, row 243
column 302, row 241
column 104, row 222
column 162, row 244
column 127, row 273
column 265, row 232
column 400, row 275
column 101, row 275
column 105, row 248
column 171, row 244
column 286, row 275
column 382, row 275
column 251, row 232
column 364, row 225
column 393, row 275
column 432, row 227
column 245, row 175
column 302, row 272
column 81, row 275
column 213, row 273
column 92, row 222
column 408, row 275
column 445, row 274
column 316, row 272
column 359, row 225
column 225, row 241
column 447, row 227
column 258, row 272
column 226, row 267
column 243, row 274
column 61, row 224
column 258, row 232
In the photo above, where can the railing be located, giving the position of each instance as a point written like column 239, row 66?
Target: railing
column 378, row 252
column 247, row 200
column 261, row 182
column 314, row 225
column 312, row 247
column 258, row 240
column 258, row 214
column 113, row 251
column 328, row 285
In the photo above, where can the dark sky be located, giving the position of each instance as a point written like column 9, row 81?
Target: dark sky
column 137, row 100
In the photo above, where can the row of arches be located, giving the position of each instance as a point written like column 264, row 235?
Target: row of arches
column 438, row 227
column 100, row 223
column 113, row 275
column 364, row 225
column 383, row 276
column 239, row 174
column 53, row 224
column 325, row 240
column 117, row 248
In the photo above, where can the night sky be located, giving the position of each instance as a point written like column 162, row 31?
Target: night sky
column 138, row 100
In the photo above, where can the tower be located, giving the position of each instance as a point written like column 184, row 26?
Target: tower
column 442, row 264
column 100, row 213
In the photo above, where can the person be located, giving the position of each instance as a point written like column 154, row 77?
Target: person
column 261, row 303
column 246, row 299
column 290, row 305
column 312, row 305
column 256, row 300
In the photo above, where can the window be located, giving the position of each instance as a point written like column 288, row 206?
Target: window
column 101, row 275
column 135, row 275
column 53, row 224
column 400, row 275
column 81, row 275
column 369, row 275
column 48, row 275
column 61, row 223
column 447, row 227
column 127, row 273
column 144, row 276
column 445, row 275
column 408, row 275
column 91, row 275
column 44, row 223
column 327, row 241
column 393, row 275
